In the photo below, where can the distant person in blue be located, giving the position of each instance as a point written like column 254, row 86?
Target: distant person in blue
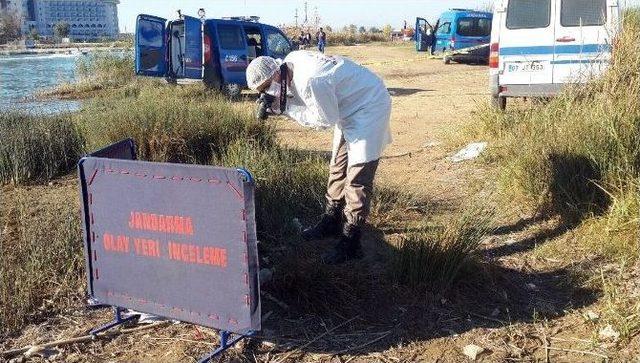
column 321, row 37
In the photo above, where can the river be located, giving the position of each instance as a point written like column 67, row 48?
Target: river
column 22, row 76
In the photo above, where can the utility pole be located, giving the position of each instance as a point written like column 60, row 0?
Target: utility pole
column 296, row 17
column 306, row 12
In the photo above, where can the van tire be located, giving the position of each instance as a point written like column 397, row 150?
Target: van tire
column 231, row 90
column 499, row 103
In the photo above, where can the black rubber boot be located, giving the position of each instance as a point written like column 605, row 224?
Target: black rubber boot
column 329, row 225
column 348, row 247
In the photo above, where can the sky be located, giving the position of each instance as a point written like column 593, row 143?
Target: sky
column 336, row 13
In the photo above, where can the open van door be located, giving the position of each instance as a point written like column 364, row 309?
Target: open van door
column 193, row 49
column 424, row 35
column 583, row 41
column 151, row 46
column 233, row 52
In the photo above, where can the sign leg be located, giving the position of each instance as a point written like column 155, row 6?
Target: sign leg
column 225, row 344
column 118, row 320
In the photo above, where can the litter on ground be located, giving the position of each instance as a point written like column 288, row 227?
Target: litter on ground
column 470, row 152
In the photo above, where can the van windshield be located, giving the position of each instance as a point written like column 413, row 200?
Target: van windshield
column 528, row 14
column 583, row 12
column 474, row 27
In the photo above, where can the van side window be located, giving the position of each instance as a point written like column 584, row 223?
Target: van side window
column 474, row 27
column 528, row 14
column 277, row 44
column 231, row 37
column 444, row 28
column 583, row 12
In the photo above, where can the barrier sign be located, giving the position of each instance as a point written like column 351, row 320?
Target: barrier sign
column 178, row 241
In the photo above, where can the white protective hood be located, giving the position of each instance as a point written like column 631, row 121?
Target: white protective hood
column 336, row 92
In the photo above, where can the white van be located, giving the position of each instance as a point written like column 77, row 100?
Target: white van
column 537, row 46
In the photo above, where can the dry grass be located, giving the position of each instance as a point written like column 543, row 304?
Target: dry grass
column 41, row 264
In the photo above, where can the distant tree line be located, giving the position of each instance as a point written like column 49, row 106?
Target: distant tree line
column 10, row 24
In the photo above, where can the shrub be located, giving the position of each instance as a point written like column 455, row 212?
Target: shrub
column 37, row 148
column 171, row 124
column 107, row 69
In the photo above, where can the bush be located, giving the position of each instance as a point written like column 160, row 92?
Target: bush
column 171, row 124
column 37, row 148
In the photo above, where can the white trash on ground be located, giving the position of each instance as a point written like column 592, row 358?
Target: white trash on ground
column 470, row 152
column 472, row 351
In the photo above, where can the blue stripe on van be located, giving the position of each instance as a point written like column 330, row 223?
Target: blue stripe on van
column 558, row 49
column 580, row 61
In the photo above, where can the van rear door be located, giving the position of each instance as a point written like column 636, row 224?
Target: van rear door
column 582, row 44
column 151, row 46
column 193, row 48
column 526, row 42
column 232, row 47
column 424, row 35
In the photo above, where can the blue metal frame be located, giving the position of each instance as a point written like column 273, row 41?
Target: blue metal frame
column 225, row 344
column 118, row 320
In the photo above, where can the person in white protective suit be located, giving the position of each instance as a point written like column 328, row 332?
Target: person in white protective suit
column 326, row 91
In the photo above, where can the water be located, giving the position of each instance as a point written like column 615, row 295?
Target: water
column 22, row 76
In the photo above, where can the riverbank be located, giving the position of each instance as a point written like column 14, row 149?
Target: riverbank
column 79, row 48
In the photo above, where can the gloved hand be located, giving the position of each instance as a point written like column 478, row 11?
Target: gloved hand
column 264, row 106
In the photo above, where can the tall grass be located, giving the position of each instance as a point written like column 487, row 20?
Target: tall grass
column 171, row 124
column 37, row 148
column 41, row 265
column 435, row 256
column 290, row 186
column 579, row 154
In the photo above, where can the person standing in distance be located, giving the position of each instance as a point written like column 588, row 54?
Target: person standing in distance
column 322, row 92
column 321, row 37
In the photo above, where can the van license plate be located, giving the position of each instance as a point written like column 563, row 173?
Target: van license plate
column 526, row 67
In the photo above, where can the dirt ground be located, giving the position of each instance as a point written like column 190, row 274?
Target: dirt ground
column 524, row 311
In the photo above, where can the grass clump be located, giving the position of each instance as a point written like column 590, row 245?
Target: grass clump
column 41, row 265
column 171, row 124
column 578, row 155
column 290, row 185
column 434, row 257
column 37, row 148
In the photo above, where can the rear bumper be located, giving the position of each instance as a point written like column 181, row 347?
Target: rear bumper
column 525, row 90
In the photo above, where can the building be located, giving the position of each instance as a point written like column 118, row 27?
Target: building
column 88, row 19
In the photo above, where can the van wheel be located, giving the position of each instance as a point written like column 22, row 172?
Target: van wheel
column 447, row 60
column 232, row 91
column 499, row 103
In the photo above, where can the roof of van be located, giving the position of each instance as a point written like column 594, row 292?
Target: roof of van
column 466, row 12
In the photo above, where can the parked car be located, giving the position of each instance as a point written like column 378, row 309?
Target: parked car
column 457, row 29
column 215, row 51
column 538, row 46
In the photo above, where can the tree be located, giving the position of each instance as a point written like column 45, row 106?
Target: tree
column 374, row 30
column 387, row 30
column 362, row 30
column 9, row 27
column 61, row 29
column 328, row 28
column 353, row 29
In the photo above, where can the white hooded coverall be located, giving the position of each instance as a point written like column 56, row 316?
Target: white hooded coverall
column 335, row 92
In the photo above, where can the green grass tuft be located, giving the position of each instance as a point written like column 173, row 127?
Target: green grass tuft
column 37, row 148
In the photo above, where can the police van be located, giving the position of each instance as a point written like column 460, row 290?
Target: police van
column 456, row 29
column 538, row 46
column 215, row 51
